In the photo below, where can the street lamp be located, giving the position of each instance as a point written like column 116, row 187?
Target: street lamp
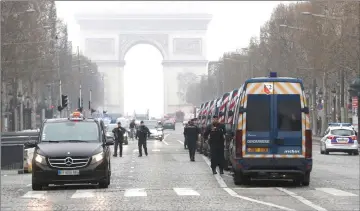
column 354, row 91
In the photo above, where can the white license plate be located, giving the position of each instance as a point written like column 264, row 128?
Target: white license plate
column 342, row 140
column 68, row 172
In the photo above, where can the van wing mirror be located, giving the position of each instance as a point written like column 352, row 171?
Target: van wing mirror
column 228, row 128
column 242, row 110
column 305, row 110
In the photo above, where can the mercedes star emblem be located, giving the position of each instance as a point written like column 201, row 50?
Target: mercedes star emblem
column 68, row 153
column 68, row 161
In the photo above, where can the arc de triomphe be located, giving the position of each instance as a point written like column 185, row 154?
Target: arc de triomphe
column 181, row 39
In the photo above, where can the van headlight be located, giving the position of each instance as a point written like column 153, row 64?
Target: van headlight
column 98, row 157
column 40, row 159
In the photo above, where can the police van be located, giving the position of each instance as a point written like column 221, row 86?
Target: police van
column 271, row 131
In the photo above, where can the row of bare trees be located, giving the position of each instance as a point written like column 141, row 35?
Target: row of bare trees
column 35, row 56
column 317, row 41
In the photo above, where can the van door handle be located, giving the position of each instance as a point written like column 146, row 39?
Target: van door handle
column 279, row 141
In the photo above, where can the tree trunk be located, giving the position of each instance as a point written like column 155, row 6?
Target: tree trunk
column 324, row 125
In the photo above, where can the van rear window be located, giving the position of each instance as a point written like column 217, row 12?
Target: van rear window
column 258, row 113
column 289, row 112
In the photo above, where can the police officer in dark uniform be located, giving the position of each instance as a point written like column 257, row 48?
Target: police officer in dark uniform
column 185, row 139
column 216, row 131
column 191, row 133
column 142, row 134
column 119, row 138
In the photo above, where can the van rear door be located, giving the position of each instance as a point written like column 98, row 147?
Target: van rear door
column 288, row 103
column 259, row 125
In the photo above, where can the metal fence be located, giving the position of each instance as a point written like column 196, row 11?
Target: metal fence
column 14, row 152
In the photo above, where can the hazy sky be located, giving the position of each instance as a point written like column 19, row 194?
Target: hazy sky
column 232, row 26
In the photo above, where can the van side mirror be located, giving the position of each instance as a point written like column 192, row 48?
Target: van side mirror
column 305, row 110
column 242, row 110
column 230, row 113
column 30, row 144
column 228, row 128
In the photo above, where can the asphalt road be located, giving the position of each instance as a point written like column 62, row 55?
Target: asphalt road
column 167, row 180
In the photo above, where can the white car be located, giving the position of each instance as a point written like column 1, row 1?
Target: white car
column 155, row 130
column 339, row 139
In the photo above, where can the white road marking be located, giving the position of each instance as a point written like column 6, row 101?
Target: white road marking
column 29, row 185
column 222, row 184
column 180, row 142
column 335, row 192
column 135, row 192
column 165, row 138
column 186, row 192
column 83, row 194
column 135, row 150
column 156, row 150
column 132, row 167
column 219, row 179
column 302, row 200
column 234, row 194
column 35, row 194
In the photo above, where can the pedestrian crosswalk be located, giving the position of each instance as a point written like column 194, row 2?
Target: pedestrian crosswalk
column 178, row 191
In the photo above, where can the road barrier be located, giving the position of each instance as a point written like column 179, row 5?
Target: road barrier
column 15, row 155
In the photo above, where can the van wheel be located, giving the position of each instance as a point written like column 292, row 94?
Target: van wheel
column 306, row 179
column 241, row 179
column 36, row 186
column 356, row 152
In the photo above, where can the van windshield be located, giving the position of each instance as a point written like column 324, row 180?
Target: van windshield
column 65, row 131
column 289, row 112
column 258, row 113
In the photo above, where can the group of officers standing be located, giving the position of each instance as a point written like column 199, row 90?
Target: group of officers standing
column 214, row 134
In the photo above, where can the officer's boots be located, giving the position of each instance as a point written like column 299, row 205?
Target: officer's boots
column 221, row 171
column 214, row 171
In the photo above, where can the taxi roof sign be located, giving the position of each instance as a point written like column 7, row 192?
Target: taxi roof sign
column 76, row 116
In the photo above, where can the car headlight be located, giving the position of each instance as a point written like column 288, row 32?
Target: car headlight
column 98, row 157
column 40, row 159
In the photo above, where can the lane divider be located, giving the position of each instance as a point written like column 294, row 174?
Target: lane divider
column 302, row 200
column 232, row 193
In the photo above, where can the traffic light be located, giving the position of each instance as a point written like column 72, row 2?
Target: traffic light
column 80, row 109
column 64, row 101
column 60, row 108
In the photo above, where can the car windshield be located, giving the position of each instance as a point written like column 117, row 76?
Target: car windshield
column 151, row 124
column 70, row 131
column 342, row 132
column 110, row 127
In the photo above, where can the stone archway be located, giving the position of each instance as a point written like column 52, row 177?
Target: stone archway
column 180, row 38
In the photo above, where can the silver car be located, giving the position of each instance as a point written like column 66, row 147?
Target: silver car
column 339, row 139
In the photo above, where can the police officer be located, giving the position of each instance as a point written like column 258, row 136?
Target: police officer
column 216, row 131
column 185, row 139
column 119, row 138
column 142, row 133
column 132, row 128
column 191, row 132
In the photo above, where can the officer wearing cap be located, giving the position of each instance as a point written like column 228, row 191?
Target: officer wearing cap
column 215, row 132
column 191, row 133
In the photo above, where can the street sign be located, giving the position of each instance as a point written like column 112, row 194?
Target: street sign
column 354, row 102
column 320, row 107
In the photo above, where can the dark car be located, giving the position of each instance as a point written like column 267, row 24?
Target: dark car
column 169, row 125
column 69, row 151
